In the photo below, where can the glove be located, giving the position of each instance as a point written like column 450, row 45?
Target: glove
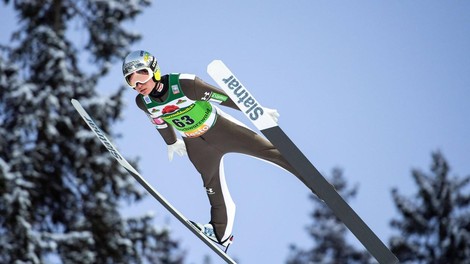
column 273, row 113
column 178, row 147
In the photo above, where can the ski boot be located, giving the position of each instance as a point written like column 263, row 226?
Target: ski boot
column 208, row 231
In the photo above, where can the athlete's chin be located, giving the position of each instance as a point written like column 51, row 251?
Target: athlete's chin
column 145, row 91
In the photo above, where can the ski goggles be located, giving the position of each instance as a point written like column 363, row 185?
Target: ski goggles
column 140, row 76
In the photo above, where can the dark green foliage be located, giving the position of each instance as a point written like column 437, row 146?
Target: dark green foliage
column 328, row 233
column 434, row 224
column 60, row 189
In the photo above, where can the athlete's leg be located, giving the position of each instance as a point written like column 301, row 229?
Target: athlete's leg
column 209, row 162
column 232, row 137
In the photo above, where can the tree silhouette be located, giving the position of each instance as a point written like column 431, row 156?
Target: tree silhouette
column 329, row 233
column 60, row 190
column 434, row 223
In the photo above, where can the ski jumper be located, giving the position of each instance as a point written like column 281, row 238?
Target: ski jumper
column 185, row 103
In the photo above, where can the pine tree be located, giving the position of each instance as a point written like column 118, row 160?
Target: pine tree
column 329, row 233
column 434, row 224
column 60, row 190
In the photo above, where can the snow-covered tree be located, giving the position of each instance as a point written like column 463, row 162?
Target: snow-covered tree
column 434, row 224
column 60, row 190
column 329, row 233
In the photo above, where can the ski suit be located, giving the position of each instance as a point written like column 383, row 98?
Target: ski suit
column 186, row 103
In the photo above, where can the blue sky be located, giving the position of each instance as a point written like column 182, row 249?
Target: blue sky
column 372, row 87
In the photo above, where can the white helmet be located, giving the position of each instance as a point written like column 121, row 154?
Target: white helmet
column 140, row 60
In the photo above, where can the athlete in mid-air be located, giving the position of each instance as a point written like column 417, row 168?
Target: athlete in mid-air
column 186, row 103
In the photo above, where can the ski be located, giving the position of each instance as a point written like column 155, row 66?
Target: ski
column 115, row 153
column 311, row 176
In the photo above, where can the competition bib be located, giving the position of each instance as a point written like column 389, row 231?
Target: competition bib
column 190, row 118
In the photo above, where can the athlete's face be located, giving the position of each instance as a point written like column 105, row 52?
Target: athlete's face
column 145, row 88
column 141, row 81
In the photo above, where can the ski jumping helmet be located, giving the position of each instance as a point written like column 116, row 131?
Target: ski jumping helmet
column 140, row 60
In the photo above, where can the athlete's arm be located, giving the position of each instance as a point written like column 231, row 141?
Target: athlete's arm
column 196, row 89
column 166, row 131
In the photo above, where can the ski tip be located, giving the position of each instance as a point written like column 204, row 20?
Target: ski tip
column 214, row 65
column 75, row 102
column 215, row 61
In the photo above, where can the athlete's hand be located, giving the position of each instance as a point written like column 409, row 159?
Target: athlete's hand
column 178, row 147
column 273, row 113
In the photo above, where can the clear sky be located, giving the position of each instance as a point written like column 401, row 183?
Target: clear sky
column 372, row 87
